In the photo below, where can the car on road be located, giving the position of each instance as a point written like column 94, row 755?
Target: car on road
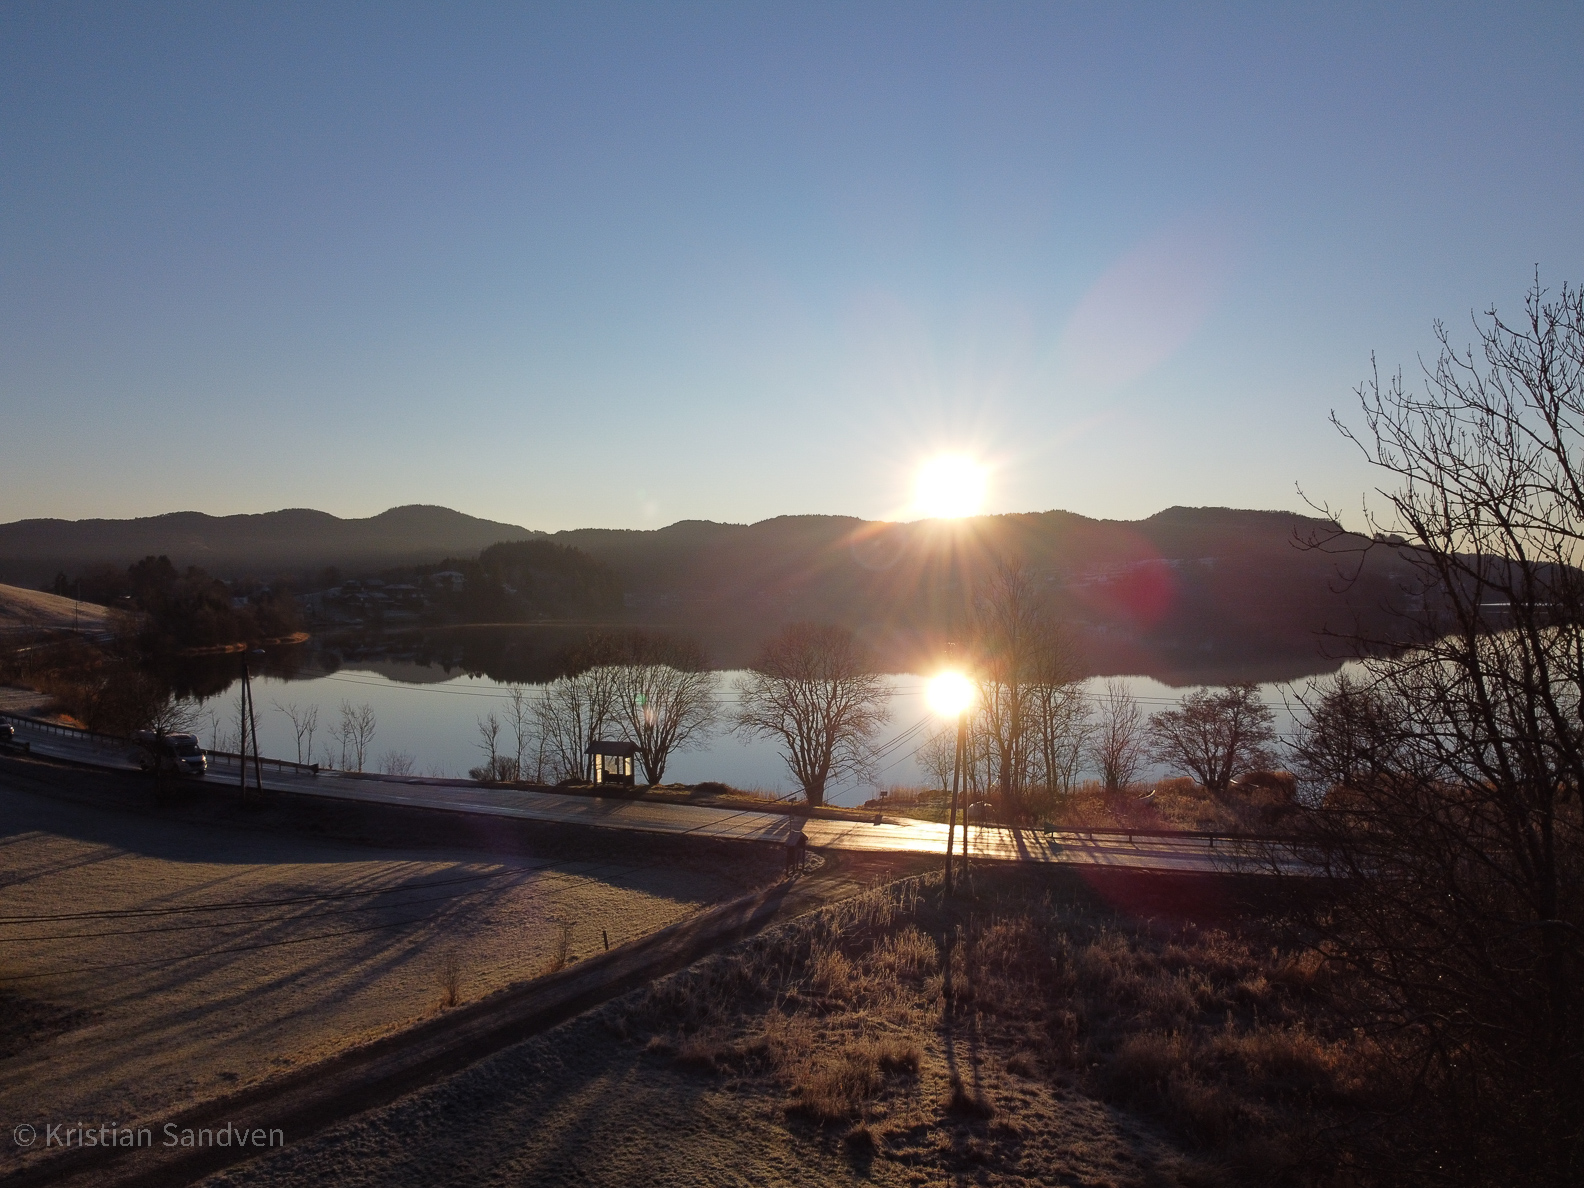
column 8, row 738
column 178, row 753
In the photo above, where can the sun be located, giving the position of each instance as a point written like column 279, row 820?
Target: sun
column 949, row 486
column 949, row 693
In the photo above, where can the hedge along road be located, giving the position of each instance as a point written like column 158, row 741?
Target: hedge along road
column 1187, row 854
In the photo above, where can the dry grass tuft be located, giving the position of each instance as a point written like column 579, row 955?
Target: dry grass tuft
column 833, row 1083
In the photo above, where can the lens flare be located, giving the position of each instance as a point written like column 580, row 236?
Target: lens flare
column 949, row 693
column 950, row 486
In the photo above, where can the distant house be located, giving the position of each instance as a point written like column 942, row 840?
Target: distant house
column 447, row 579
column 612, row 762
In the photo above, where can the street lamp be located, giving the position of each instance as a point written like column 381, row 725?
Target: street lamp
column 950, row 694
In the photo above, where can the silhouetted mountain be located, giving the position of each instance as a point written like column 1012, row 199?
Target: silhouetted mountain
column 1187, row 594
column 33, row 551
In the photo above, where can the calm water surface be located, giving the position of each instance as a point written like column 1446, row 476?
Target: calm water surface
column 422, row 712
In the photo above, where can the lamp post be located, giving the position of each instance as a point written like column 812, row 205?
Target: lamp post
column 949, row 695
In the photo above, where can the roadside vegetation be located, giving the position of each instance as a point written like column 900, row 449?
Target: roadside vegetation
column 943, row 1034
column 1259, row 804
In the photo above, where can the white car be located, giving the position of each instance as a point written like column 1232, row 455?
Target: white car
column 179, row 753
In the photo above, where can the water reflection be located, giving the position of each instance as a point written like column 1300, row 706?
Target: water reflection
column 535, row 654
column 428, row 690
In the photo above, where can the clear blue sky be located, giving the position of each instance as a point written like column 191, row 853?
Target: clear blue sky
column 619, row 266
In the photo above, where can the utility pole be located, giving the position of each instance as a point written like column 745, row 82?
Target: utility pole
column 962, row 767
column 258, row 771
column 951, row 805
column 249, row 725
column 957, row 774
column 242, row 721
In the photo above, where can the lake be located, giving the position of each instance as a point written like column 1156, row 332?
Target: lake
column 431, row 715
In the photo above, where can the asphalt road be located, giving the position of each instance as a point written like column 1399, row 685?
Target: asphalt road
column 894, row 834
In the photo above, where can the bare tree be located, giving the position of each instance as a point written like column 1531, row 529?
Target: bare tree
column 170, row 715
column 356, row 732
column 217, row 740
column 1060, row 721
column 524, row 735
column 1455, row 831
column 1216, row 736
column 1344, row 733
column 1011, row 633
column 665, row 699
column 120, row 698
column 937, row 755
column 305, row 721
column 497, row 768
column 815, row 689
column 165, row 714
column 572, row 712
column 1117, row 748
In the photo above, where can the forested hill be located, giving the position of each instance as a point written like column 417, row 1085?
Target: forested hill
column 1186, row 591
column 294, row 540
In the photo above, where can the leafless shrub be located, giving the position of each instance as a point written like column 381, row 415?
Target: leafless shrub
column 561, row 951
column 449, row 975
column 398, row 763
column 499, row 769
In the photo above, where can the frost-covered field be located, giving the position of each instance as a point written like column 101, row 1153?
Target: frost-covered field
column 148, row 961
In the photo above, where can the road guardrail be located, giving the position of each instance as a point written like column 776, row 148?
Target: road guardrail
column 114, row 740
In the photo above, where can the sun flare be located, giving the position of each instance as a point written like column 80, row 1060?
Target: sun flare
column 949, row 486
column 949, row 693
